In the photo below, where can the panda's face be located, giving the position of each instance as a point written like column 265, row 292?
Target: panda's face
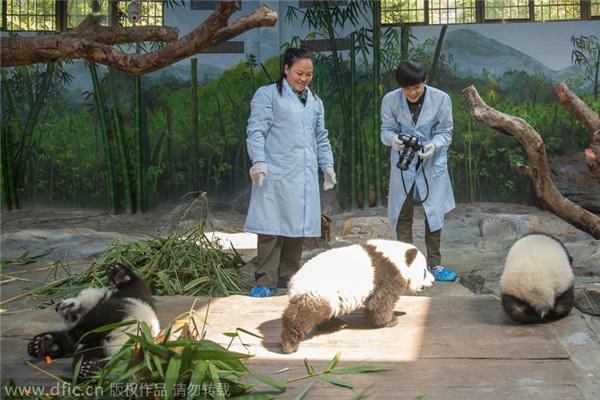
column 416, row 272
column 74, row 308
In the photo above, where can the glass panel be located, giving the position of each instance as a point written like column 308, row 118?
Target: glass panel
column 402, row 11
column 77, row 11
column 151, row 13
column 506, row 9
column 30, row 15
column 595, row 8
column 452, row 12
column 557, row 10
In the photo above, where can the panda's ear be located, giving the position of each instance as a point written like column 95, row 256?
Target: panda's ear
column 410, row 256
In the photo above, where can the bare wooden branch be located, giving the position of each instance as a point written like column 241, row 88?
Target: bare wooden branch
column 92, row 42
column 537, row 171
column 590, row 120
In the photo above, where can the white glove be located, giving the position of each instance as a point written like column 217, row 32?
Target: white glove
column 329, row 181
column 258, row 172
column 429, row 149
column 397, row 143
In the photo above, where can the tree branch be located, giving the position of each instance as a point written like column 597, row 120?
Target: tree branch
column 588, row 118
column 92, row 42
column 537, row 171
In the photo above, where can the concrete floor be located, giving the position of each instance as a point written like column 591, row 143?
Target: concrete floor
column 448, row 344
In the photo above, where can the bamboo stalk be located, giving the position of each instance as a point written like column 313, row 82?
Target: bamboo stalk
column 377, row 98
column 365, row 173
column 123, row 161
column 195, row 153
column 353, row 141
column 138, row 169
column 10, row 199
column 110, row 178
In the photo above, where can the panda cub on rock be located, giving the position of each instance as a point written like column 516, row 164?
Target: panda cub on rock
column 536, row 285
column 340, row 280
column 93, row 308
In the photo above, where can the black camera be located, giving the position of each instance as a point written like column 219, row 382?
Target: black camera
column 412, row 144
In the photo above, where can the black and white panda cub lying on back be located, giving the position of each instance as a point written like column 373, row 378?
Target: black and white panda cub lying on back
column 536, row 285
column 93, row 308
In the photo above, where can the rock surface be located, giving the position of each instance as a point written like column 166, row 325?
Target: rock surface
column 475, row 240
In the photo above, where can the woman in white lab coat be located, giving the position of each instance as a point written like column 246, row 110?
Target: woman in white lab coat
column 287, row 143
column 424, row 112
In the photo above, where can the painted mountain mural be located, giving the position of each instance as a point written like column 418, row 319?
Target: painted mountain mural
column 473, row 52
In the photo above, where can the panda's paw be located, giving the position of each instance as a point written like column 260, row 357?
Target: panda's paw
column 43, row 345
column 392, row 322
column 88, row 368
column 290, row 346
column 118, row 274
column 332, row 325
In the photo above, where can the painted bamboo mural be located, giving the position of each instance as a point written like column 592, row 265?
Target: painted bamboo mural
column 122, row 153
column 377, row 100
column 353, row 123
column 188, row 133
column 10, row 198
column 195, row 173
column 138, row 166
column 110, row 177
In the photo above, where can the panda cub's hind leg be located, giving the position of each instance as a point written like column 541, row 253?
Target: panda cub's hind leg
column 332, row 325
column 94, row 359
column 302, row 314
column 119, row 274
column 129, row 283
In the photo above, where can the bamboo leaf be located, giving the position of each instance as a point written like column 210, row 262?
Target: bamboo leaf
column 196, row 282
column 255, row 396
column 196, row 379
column 249, row 333
column 214, row 377
column 335, row 381
column 333, row 362
column 152, row 347
column 360, row 394
column 172, row 375
column 309, row 367
column 269, row 381
column 109, row 327
column 357, row 370
column 303, row 392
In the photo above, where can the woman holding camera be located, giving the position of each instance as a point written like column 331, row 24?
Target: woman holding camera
column 287, row 143
column 416, row 121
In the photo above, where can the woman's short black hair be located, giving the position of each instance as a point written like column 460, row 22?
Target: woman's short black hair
column 410, row 73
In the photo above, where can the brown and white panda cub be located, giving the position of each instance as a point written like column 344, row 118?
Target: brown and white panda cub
column 94, row 308
column 340, row 280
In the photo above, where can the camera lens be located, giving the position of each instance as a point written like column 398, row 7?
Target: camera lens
column 405, row 158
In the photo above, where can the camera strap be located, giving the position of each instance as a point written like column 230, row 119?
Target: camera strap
column 418, row 203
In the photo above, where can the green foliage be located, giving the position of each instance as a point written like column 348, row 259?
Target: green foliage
column 328, row 373
column 59, row 160
column 185, row 262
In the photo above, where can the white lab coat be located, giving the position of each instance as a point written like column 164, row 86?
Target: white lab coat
column 433, row 126
column 292, row 140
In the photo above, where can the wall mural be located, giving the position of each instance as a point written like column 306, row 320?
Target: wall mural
column 68, row 128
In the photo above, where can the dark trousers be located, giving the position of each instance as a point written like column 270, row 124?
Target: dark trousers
column 404, row 232
column 278, row 257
